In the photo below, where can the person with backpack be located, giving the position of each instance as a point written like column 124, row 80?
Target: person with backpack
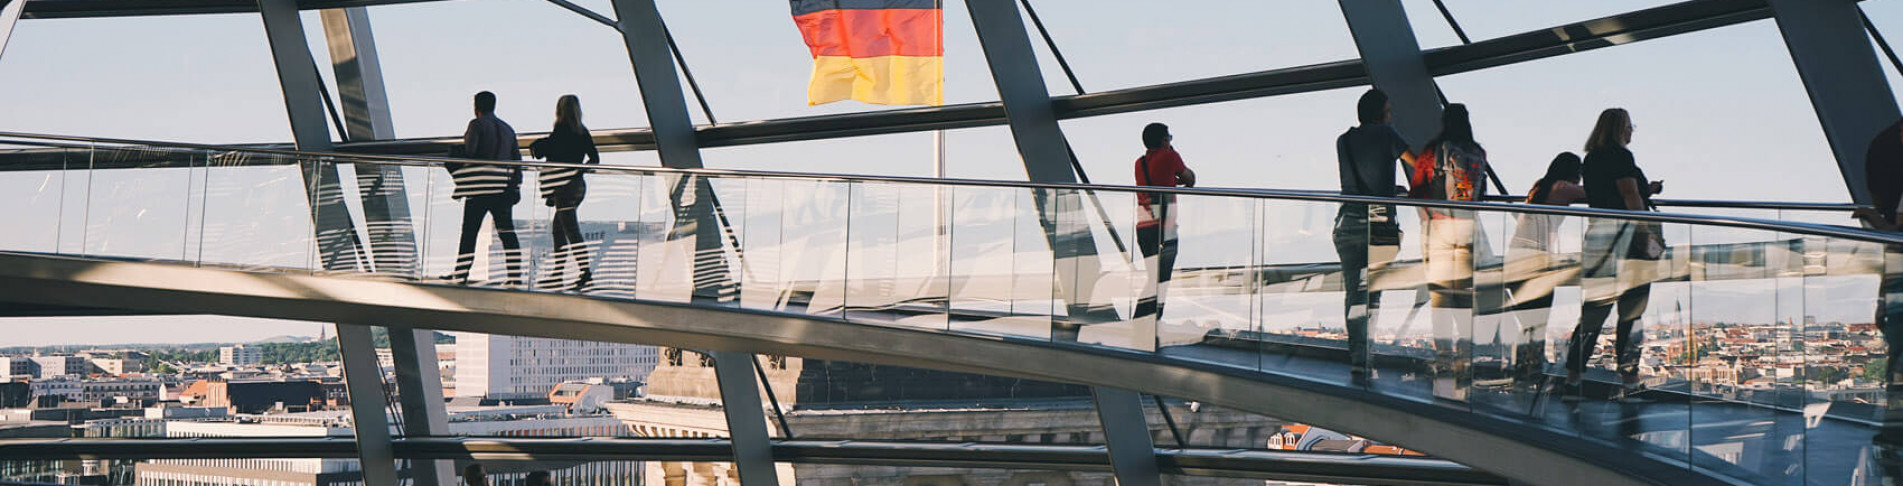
column 1451, row 168
column 487, row 190
column 563, row 188
column 1160, row 166
column 1530, row 263
column 1618, row 258
column 1367, row 236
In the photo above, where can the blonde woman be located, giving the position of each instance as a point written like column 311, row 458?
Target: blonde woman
column 1616, row 254
column 563, row 188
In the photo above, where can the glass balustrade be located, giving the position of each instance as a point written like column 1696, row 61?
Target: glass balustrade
column 1743, row 347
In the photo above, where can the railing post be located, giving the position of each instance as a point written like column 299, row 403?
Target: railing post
column 1843, row 77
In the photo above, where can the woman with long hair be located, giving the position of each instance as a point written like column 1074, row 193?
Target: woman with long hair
column 563, row 188
column 1618, row 256
column 1451, row 168
column 1530, row 265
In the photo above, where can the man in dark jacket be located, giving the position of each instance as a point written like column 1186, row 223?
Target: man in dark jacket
column 488, row 190
column 1366, row 235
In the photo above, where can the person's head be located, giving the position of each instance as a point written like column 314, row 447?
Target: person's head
column 473, row 474
column 568, row 113
column 1614, row 129
column 539, row 478
column 1565, row 167
column 1156, row 135
column 485, row 103
column 1455, row 126
column 1373, row 108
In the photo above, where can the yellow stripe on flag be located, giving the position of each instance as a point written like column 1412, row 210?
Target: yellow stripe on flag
column 883, row 80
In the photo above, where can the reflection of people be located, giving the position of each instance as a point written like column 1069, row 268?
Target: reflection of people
column 473, row 475
column 1366, row 236
column 1530, row 262
column 1617, row 256
column 1883, row 176
column 1450, row 169
column 563, row 188
column 1160, row 166
column 488, row 190
column 538, row 478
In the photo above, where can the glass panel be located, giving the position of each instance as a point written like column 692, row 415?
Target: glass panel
column 1850, row 288
column 847, row 474
column 1300, row 330
column 254, row 212
column 1745, row 312
column 1686, row 136
column 139, row 202
column 829, row 399
column 1204, row 267
column 814, row 245
column 36, row 192
column 516, row 386
column 1229, row 144
column 432, row 68
column 139, row 87
column 1103, row 39
column 894, row 261
column 748, row 74
column 1484, row 20
column 124, row 472
column 1001, row 266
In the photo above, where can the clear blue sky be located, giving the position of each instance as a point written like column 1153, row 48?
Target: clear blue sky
column 1721, row 113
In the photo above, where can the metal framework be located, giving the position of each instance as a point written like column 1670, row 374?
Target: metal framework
column 1840, row 71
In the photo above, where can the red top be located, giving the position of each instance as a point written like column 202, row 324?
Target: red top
column 1157, row 167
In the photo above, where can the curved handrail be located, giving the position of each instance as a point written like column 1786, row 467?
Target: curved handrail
column 1281, row 194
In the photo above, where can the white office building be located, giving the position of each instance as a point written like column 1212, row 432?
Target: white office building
column 526, row 368
column 240, row 355
column 52, row 367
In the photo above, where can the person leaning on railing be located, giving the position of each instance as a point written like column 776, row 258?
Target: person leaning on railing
column 1531, row 267
column 1618, row 257
column 1366, row 236
column 1883, row 177
column 1451, row 168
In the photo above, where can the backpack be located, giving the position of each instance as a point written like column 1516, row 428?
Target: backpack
column 1448, row 172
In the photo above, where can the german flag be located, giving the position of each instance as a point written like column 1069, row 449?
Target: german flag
column 887, row 52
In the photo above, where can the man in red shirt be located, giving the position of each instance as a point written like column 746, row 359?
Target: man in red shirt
column 1160, row 166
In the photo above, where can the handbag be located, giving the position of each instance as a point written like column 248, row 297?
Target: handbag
column 1382, row 229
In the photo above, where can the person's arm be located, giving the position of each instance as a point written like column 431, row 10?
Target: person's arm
column 1186, row 177
column 1875, row 219
column 472, row 139
column 1565, row 193
column 1630, row 192
column 594, row 155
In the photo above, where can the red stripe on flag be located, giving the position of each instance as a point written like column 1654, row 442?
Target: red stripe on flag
column 861, row 33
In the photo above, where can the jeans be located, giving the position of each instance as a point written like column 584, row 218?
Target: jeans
column 1361, row 261
column 566, row 231
column 500, row 208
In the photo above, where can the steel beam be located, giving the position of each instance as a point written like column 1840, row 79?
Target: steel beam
column 337, row 242
column 646, row 37
column 1394, row 60
column 363, row 379
column 1843, row 76
column 746, row 418
column 353, row 58
column 1027, row 104
column 9, row 15
column 1514, row 449
column 1126, row 433
column 420, row 395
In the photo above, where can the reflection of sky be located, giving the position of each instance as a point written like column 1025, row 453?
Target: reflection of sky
column 1701, row 101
